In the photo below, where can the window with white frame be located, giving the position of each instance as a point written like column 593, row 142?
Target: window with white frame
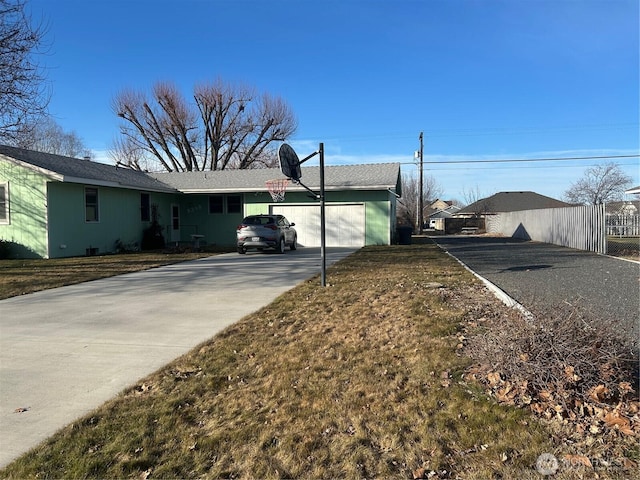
column 91, row 204
column 4, row 203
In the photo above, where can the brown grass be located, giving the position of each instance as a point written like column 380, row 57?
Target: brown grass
column 361, row 379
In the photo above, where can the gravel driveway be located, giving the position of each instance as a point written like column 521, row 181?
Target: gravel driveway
column 540, row 275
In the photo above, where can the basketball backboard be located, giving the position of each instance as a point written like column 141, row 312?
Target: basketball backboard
column 289, row 162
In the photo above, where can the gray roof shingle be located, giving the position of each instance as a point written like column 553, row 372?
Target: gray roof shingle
column 69, row 169
column 513, row 202
column 378, row 176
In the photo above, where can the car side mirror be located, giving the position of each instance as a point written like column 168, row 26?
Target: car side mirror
column 292, row 224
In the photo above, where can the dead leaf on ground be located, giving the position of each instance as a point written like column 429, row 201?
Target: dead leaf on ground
column 21, row 409
column 494, row 378
column 612, row 419
column 419, row 473
column 598, row 393
column 575, row 460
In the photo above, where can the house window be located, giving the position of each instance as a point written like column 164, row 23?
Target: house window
column 234, row 204
column 145, row 207
column 225, row 204
column 91, row 204
column 4, row 203
column 216, row 204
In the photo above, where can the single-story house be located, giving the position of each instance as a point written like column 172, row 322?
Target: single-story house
column 55, row 206
column 438, row 211
column 509, row 202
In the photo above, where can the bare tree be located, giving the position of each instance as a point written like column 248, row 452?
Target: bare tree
column 125, row 152
column 599, row 184
column 476, row 201
column 226, row 127
column 471, row 195
column 408, row 205
column 22, row 92
column 45, row 135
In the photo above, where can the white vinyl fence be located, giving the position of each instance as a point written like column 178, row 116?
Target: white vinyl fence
column 621, row 225
column 580, row 227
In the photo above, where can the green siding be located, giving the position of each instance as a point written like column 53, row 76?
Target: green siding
column 379, row 222
column 38, row 202
column 217, row 228
column 27, row 211
column 119, row 219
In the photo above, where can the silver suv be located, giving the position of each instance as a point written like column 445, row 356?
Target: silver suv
column 266, row 231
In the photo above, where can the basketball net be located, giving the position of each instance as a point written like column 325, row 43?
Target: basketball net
column 277, row 188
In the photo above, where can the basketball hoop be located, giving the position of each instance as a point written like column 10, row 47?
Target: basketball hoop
column 277, row 188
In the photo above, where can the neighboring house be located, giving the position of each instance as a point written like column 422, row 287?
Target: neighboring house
column 623, row 218
column 440, row 204
column 509, row 202
column 623, row 207
column 54, row 206
column 436, row 217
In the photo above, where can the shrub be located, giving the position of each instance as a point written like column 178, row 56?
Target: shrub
column 559, row 352
column 152, row 238
column 5, row 248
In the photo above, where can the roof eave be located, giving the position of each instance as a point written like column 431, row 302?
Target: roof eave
column 290, row 188
column 48, row 173
column 104, row 183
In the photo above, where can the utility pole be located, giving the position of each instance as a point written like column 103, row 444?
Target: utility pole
column 420, row 191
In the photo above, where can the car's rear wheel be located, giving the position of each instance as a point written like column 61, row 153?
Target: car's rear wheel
column 242, row 250
column 294, row 244
column 281, row 245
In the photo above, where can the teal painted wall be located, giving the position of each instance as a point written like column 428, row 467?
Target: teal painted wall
column 27, row 229
column 217, row 228
column 220, row 228
column 119, row 219
column 36, row 203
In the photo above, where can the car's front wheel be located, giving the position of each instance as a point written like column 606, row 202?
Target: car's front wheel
column 294, row 244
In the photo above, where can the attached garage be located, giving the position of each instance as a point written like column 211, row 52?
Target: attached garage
column 360, row 202
column 344, row 223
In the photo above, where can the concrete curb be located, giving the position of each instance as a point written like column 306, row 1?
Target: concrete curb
column 497, row 291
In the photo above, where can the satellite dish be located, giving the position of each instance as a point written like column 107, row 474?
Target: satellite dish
column 289, row 162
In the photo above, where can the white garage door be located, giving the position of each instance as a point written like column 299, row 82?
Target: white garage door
column 344, row 224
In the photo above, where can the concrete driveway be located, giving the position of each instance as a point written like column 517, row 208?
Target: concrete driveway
column 64, row 352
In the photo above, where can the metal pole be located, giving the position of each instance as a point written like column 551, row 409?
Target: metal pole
column 323, row 275
column 420, row 199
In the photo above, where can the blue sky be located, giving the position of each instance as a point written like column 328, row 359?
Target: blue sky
column 484, row 80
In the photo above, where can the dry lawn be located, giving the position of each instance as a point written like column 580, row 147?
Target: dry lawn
column 18, row 277
column 361, row 379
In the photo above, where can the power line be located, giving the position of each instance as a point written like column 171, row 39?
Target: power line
column 521, row 160
column 519, row 167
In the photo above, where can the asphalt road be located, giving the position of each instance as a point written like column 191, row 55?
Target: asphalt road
column 541, row 276
column 65, row 351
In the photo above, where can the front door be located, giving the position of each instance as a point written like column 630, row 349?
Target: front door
column 175, row 223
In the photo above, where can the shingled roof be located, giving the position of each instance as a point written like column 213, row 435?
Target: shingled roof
column 76, row 170
column 378, row 176
column 512, row 202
